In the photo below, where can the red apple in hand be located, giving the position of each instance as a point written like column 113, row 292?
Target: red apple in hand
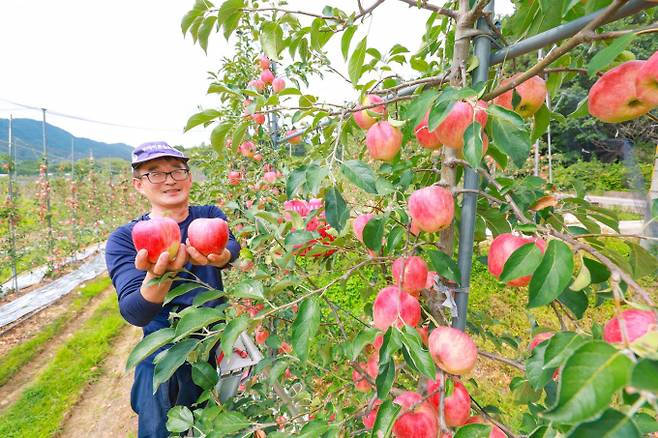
column 208, row 235
column 420, row 422
column 502, row 248
column 157, row 235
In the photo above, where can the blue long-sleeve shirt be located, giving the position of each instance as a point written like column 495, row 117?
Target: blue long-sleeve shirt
column 120, row 256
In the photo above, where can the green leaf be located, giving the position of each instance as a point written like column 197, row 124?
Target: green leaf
column 646, row 423
column 509, row 134
column 231, row 333
column 589, row 380
column 148, row 345
column 365, row 337
column 560, row 347
column 229, row 422
column 204, row 375
column 195, row 319
column 386, row 415
column 313, row 429
column 420, row 358
column 305, row 327
column 576, row 301
column 581, row 110
column 394, row 238
column 439, row 111
column 537, row 375
column 179, row 419
column 204, row 31
column 270, row 36
column 473, row 144
column 179, row 290
column 612, row 424
column 229, row 16
column 521, row 262
column 167, row 362
column 202, row 118
column 218, row 135
column 346, row 40
column 277, row 369
column 642, row 261
column 582, row 280
column 552, row 276
column 604, row 57
column 385, row 378
column 360, row 174
column 445, row 266
column 373, row 233
column 336, row 210
column 474, row 430
column 542, row 120
column 645, row 375
column 295, row 181
column 416, row 110
column 355, row 64
column 598, row 272
column 248, row 289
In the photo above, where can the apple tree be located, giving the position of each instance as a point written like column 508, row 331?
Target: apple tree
column 398, row 192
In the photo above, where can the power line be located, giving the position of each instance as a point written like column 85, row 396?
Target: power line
column 84, row 119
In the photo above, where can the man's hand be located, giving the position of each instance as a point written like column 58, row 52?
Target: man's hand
column 217, row 260
column 163, row 264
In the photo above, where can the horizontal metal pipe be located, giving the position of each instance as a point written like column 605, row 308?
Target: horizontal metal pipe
column 564, row 31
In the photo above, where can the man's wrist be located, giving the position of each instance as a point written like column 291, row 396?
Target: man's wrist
column 154, row 293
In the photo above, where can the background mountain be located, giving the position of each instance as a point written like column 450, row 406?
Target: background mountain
column 27, row 135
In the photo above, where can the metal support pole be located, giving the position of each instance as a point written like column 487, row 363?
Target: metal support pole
column 12, row 201
column 565, row 30
column 49, row 218
column 274, row 118
column 482, row 48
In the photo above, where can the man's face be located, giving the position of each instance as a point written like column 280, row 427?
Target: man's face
column 169, row 193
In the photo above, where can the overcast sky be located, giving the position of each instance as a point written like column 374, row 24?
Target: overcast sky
column 125, row 62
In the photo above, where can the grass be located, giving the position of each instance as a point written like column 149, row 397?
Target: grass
column 42, row 406
column 12, row 361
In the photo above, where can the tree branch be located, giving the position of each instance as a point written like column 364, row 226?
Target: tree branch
column 438, row 9
column 553, row 55
column 502, row 359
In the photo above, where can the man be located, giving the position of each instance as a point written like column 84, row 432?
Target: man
column 161, row 175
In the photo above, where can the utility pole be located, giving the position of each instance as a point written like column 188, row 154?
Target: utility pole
column 49, row 219
column 12, row 201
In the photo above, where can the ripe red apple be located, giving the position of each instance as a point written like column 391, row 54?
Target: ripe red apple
column 502, row 247
column 431, row 208
column 278, row 84
column 427, row 139
column 452, row 350
column 614, row 97
column 456, row 406
column 264, row 62
column 410, row 274
column 257, row 84
column 364, row 118
column 431, row 277
column 383, row 141
column 157, row 235
column 532, row 93
column 359, row 224
column 451, row 130
column 496, row 432
column 208, row 235
column 369, row 418
column 270, row 177
column 646, row 81
column 539, row 338
column 247, row 149
column 420, row 422
column 234, row 177
column 637, row 323
column 257, row 157
column 371, row 368
column 393, row 306
column 294, row 140
column 258, row 118
column 267, row 76
column 261, row 335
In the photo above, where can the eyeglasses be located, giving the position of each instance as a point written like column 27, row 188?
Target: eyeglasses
column 160, row 177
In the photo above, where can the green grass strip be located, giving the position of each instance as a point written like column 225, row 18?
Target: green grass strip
column 12, row 361
column 41, row 408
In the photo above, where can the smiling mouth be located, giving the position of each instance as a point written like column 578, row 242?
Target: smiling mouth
column 171, row 191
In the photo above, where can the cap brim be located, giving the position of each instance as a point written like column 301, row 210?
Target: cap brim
column 156, row 156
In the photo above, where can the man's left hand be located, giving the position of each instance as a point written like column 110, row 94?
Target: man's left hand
column 217, row 260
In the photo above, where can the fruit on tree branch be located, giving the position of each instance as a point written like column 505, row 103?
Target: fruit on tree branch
column 420, row 421
column 410, row 274
column 452, row 350
column 502, row 248
column 532, row 95
column 383, row 141
column 368, row 117
column 456, row 406
column 646, row 82
column 431, row 209
column 395, row 307
column 637, row 323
